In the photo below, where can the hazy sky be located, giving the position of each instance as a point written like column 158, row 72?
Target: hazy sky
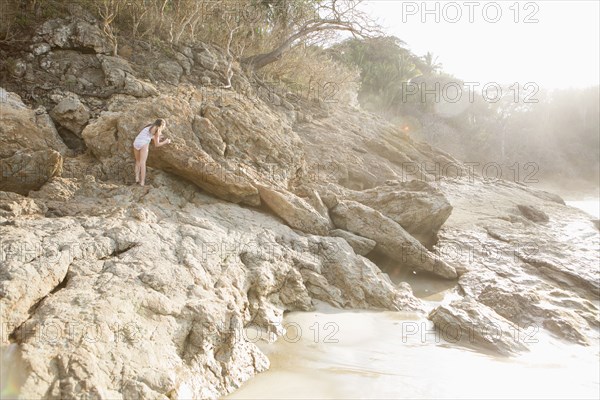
column 559, row 50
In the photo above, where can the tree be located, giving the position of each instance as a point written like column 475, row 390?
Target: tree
column 386, row 66
column 326, row 16
column 108, row 11
column 429, row 65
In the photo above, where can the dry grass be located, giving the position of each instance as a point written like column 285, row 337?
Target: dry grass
column 310, row 73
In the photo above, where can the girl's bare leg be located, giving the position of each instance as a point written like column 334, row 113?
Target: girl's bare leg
column 143, row 157
column 136, row 153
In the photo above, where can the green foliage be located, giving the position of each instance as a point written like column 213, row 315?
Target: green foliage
column 386, row 67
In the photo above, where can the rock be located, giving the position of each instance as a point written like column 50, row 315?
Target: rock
column 527, row 272
column 416, row 205
column 125, row 51
column 198, row 167
column 40, row 48
column 209, row 59
column 209, row 137
column 359, row 244
column 230, row 174
column 23, row 129
column 542, row 194
column 73, row 34
column 10, row 100
column 186, row 51
column 568, row 325
column 392, row 240
column 71, row 114
column 206, row 81
column 30, row 149
column 187, row 289
column 314, row 199
column 509, row 303
column 17, row 68
column 185, row 62
column 189, row 162
column 390, row 155
column 289, row 106
column 533, row 214
column 363, row 281
column 171, row 71
column 120, row 75
column 295, row 211
column 473, row 324
column 72, row 71
column 26, row 171
column 13, row 205
column 189, row 272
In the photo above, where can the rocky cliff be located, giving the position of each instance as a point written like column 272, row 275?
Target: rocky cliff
column 264, row 202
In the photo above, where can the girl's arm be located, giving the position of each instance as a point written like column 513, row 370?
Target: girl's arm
column 156, row 139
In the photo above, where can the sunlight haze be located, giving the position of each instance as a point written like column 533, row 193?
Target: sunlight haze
column 559, row 51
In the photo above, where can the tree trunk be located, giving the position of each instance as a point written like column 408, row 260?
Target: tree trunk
column 260, row 60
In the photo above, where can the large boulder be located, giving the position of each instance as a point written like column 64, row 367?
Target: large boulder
column 392, row 240
column 360, row 245
column 473, row 324
column 295, row 211
column 29, row 170
column 226, row 146
column 71, row 114
column 416, row 205
column 22, row 128
column 72, row 34
column 120, row 76
column 187, row 161
column 198, row 167
column 30, row 148
column 532, row 213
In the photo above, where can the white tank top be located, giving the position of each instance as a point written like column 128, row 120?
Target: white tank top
column 144, row 137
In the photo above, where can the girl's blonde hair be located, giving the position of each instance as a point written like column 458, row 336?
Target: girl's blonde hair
column 158, row 123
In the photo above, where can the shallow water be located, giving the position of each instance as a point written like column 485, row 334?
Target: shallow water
column 332, row 353
column 342, row 354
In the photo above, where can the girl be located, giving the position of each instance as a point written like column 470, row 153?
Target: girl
column 141, row 146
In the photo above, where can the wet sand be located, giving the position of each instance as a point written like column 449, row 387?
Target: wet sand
column 398, row 355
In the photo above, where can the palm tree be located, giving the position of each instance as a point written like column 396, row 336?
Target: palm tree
column 429, row 64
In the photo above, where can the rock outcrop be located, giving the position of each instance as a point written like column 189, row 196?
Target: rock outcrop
column 71, row 33
column 392, row 240
column 30, row 148
column 71, row 114
column 130, row 276
column 532, row 213
column 26, row 171
column 360, row 245
column 475, row 324
column 295, row 211
column 535, row 275
column 415, row 205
